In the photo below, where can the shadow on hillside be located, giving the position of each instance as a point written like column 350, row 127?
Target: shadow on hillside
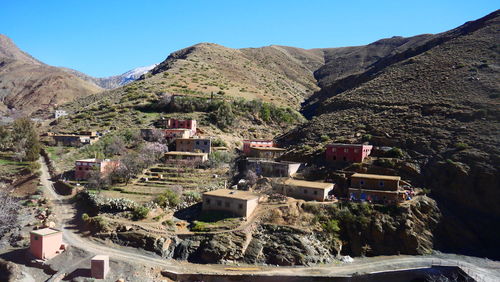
column 190, row 213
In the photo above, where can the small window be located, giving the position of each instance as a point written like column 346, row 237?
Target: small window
column 228, row 204
column 207, row 201
column 240, row 206
column 197, row 142
column 219, row 203
column 315, row 192
column 36, row 237
column 346, row 150
column 206, row 142
column 381, row 183
column 356, row 150
column 362, row 182
column 305, row 191
column 333, row 149
column 334, row 157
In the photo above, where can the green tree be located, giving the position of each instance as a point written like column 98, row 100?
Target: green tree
column 25, row 139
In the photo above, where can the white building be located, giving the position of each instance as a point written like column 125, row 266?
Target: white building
column 60, row 113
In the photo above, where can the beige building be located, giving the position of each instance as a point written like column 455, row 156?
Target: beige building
column 186, row 156
column 269, row 168
column 240, row 203
column 306, row 190
column 376, row 188
column 375, row 182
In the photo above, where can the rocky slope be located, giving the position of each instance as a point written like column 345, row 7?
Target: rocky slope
column 28, row 85
column 438, row 101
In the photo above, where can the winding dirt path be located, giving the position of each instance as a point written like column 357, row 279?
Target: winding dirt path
column 65, row 212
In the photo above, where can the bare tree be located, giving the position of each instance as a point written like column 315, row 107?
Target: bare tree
column 116, row 146
column 9, row 208
column 98, row 181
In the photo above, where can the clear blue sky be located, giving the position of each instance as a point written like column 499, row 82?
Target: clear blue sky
column 109, row 37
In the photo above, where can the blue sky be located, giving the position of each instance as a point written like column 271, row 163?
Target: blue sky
column 109, row 37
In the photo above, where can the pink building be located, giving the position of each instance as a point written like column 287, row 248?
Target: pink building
column 187, row 124
column 256, row 143
column 46, row 243
column 84, row 167
column 354, row 153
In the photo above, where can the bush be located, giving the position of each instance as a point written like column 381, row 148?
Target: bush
column 168, row 199
column 389, row 163
column 325, row 138
column 394, row 153
column 367, row 137
column 140, row 212
column 219, row 143
column 461, row 146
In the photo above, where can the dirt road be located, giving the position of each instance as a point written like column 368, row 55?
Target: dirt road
column 65, row 212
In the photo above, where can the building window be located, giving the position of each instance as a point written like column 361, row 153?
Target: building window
column 361, row 182
column 356, row 150
column 334, row 157
column 381, row 183
column 315, row 192
column 197, row 142
column 346, row 150
column 333, row 149
column 219, row 203
column 228, row 204
column 207, row 201
column 240, row 206
column 36, row 237
column 305, row 191
column 206, row 143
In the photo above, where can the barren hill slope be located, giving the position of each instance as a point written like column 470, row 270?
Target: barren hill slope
column 28, row 85
column 439, row 102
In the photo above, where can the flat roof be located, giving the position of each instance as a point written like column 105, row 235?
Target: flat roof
column 258, row 140
column 375, row 176
column 267, row 148
column 378, row 191
column 233, row 194
column 309, row 184
column 347, row 145
column 100, row 257
column 194, row 139
column 45, row 231
column 176, row 129
column 250, row 159
column 180, row 153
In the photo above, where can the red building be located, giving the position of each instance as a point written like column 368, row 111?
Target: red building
column 84, row 167
column 256, row 143
column 187, row 124
column 354, row 153
column 46, row 243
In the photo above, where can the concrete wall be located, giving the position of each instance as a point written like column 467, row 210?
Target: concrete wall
column 305, row 193
column 374, row 184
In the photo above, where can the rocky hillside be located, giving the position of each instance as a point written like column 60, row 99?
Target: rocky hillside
column 28, row 85
column 438, row 101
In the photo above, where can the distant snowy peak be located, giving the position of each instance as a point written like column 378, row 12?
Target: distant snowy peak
column 134, row 74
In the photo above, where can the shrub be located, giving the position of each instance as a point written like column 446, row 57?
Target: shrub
column 168, row 222
column 219, row 143
column 461, row 146
column 367, row 137
column 394, row 153
column 389, row 163
column 168, row 199
column 140, row 212
column 331, row 227
column 325, row 138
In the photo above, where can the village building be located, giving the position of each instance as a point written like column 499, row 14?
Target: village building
column 197, row 145
column 176, row 123
column 72, row 140
column 237, row 202
column 60, row 113
column 174, row 133
column 354, row 153
column 191, row 157
column 46, row 243
column 270, row 168
column 99, row 266
column 266, row 152
column 376, row 188
column 84, row 167
column 247, row 144
column 306, row 190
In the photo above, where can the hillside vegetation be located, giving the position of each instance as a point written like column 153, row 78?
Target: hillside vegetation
column 438, row 102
